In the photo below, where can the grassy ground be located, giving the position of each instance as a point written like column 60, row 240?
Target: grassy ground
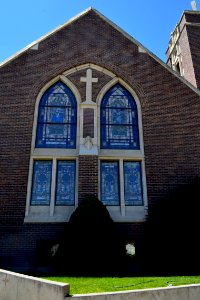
column 84, row 285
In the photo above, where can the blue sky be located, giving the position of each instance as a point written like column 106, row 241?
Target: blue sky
column 148, row 21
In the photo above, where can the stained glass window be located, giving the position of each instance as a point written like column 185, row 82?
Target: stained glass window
column 110, row 183
column 57, row 118
column 41, row 183
column 65, row 188
column 133, row 183
column 119, row 120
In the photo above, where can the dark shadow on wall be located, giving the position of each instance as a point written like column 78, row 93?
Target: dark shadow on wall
column 172, row 233
column 91, row 246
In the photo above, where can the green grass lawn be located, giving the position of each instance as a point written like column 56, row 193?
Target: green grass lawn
column 84, row 285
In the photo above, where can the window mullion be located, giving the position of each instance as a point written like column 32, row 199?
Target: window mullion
column 28, row 201
column 53, row 188
column 121, row 179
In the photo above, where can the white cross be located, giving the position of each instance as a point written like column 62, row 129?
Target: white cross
column 89, row 80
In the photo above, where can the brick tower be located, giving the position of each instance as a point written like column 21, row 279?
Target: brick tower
column 183, row 52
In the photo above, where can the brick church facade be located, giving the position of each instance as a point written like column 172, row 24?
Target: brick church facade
column 89, row 110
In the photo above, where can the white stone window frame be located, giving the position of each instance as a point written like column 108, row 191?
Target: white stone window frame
column 124, row 213
column 51, row 213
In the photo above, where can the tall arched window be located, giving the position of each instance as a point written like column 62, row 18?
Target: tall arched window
column 122, row 171
column 57, row 118
column 119, row 120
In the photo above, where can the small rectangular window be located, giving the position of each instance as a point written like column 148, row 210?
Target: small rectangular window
column 133, row 183
column 65, row 187
column 110, row 183
column 41, row 183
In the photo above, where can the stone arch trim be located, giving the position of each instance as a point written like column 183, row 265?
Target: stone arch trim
column 107, row 87
column 92, row 66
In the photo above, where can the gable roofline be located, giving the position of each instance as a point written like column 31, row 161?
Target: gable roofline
column 124, row 33
column 42, row 38
column 151, row 54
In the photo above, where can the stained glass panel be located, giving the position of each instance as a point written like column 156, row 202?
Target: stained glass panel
column 65, row 188
column 110, row 183
column 41, row 184
column 119, row 120
column 133, row 183
column 57, row 118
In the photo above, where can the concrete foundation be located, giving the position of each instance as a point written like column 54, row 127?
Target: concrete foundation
column 14, row 286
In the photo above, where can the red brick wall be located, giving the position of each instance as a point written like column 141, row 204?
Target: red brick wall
column 170, row 117
column 194, row 41
column 192, row 17
column 187, row 62
column 88, row 176
column 191, row 55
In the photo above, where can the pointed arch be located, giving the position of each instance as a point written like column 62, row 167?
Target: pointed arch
column 44, row 91
column 122, row 184
column 61, row 159
column 119, row 120
column 57, row 118
column 132, row 94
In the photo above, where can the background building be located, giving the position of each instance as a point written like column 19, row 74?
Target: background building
column 183, row 51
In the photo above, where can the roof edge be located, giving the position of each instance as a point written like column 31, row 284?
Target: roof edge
column 190, row 11
column 128, row 36
column 42, row 38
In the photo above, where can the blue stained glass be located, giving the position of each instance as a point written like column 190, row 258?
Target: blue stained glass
column 65, row 188
column 133, row 183
column 119, row 120
column 110, row 183
column 41, row 184
column 120, row 116
column 57, row 118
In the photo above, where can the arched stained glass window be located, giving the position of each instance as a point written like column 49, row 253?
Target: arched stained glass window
column 57, row 118
column 119, row 120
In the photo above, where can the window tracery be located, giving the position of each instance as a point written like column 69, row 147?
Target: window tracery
column 119, row 120
column 57, row 118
